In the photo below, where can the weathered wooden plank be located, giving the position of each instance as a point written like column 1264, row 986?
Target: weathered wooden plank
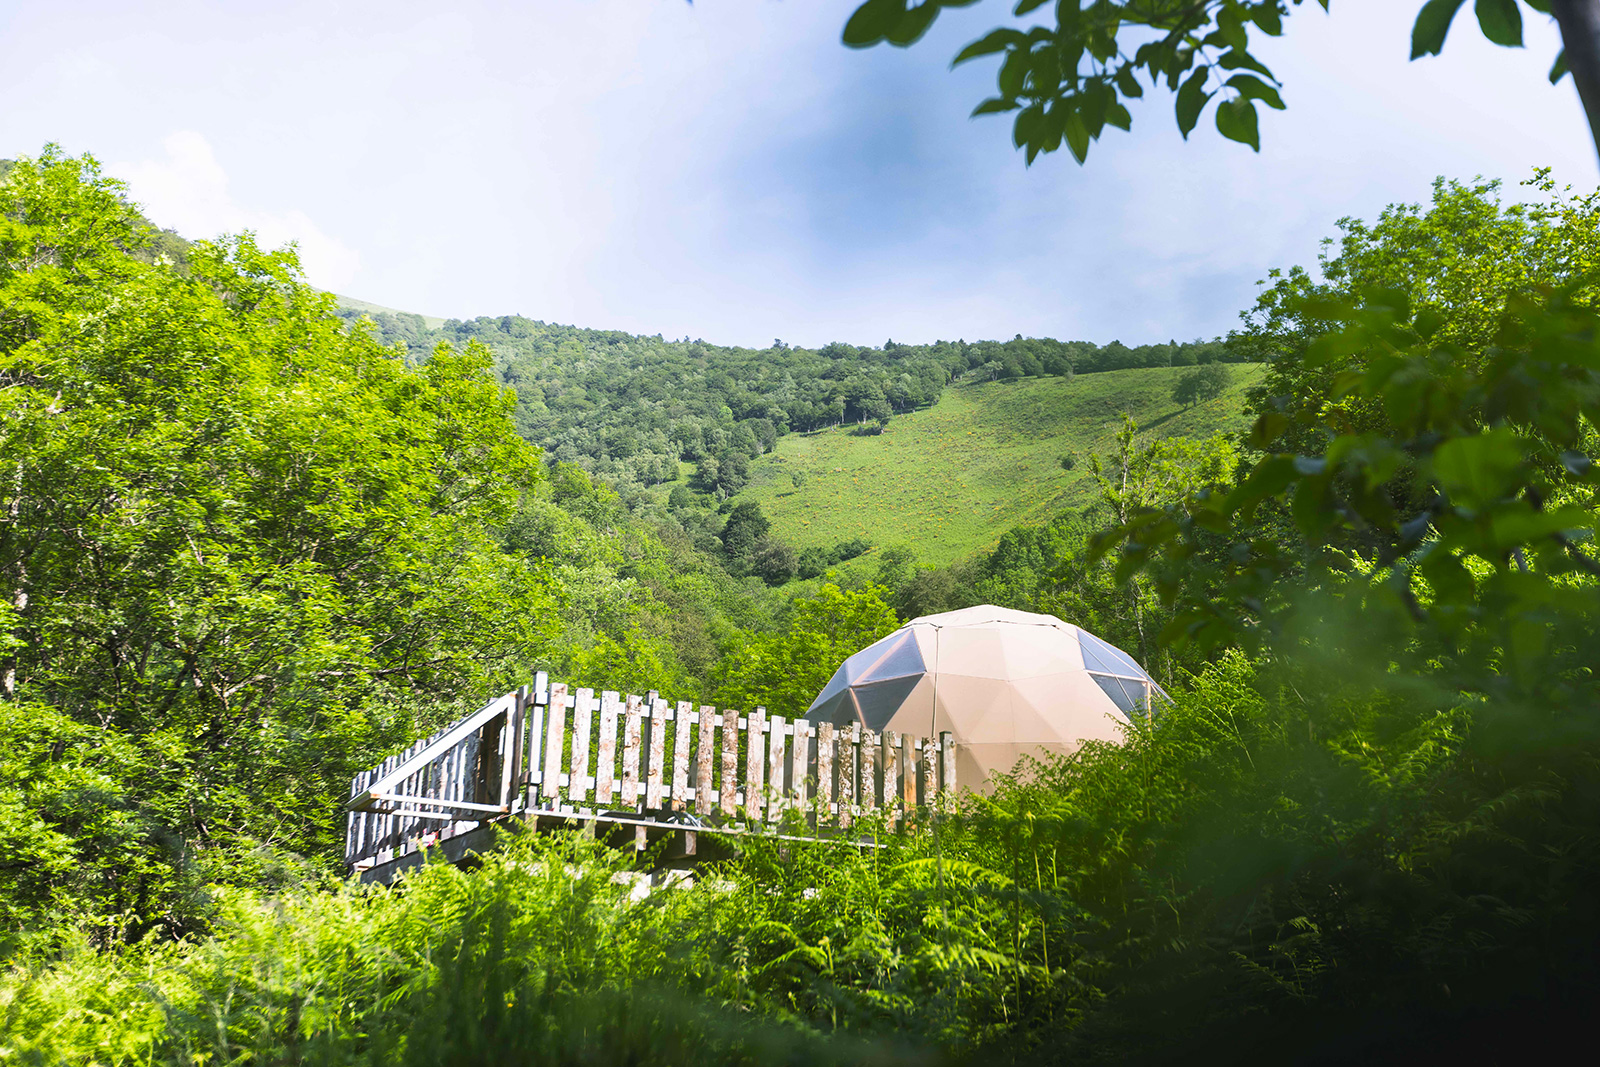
column 385, row 822
column 755, row 764
column 605, row 771
column 947, row 765
column 825, row 752
column 730, row 760
column 541, row 711
column 658, row 754
column 555, row 733
column 869, row 770
column 891, row 770
column 848, row 739
column 351, row 825
column 908, row 770
column 632, row 735
column 680, row 755
column 582, row 731
column 930, row 772
column 777, row 748
column 800, row 764
column 705, row 754
column 518, row 725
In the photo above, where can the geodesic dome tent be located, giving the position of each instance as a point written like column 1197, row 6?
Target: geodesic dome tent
column 1004, row 683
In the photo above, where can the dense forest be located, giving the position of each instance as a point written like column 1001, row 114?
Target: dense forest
column 630, row 408
column 247, row 547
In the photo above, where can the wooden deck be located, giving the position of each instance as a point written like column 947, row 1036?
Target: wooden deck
column 551, row 755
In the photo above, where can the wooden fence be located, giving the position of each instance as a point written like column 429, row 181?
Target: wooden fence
column 548, row 751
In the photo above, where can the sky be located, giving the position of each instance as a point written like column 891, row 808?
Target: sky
column 727, row 170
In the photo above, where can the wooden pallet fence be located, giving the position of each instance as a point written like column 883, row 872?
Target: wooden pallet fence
column 549, row 749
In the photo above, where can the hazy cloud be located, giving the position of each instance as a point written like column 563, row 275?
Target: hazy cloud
column 186, row 190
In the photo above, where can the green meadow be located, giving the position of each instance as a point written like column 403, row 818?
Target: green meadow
column 949, row 480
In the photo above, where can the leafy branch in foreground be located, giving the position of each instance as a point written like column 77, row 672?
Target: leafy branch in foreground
column 1066, row 82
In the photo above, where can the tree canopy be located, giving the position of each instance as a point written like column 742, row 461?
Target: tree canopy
column 239, row 544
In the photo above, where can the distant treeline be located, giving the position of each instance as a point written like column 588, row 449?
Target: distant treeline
column 631, row 408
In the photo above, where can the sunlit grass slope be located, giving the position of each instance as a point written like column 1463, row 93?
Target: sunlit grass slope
column 949, row 480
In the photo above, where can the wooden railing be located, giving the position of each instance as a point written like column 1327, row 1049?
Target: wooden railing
column 547, row 751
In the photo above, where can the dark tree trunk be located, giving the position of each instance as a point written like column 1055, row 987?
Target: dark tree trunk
column 1580, row 36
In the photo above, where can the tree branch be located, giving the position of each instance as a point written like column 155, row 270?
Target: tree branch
column 1580, row 36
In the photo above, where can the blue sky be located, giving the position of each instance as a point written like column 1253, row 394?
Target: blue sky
column 730, row 171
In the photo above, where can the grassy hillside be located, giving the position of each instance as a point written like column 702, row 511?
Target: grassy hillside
column 950, row 479
column 367, row 307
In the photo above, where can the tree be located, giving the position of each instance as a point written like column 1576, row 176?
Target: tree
column 745, row 525
column 784, row 672
column 1202, row 384
column 1137, row 480
column 1066, row 79
column 241, row 547
column 1458, row 262
column 773, row 561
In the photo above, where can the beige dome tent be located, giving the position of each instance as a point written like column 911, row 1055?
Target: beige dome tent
column 1004, row 683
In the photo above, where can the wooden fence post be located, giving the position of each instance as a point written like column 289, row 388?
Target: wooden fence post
column 824, row 772
column 776, row 750
column 555, row 730
column 800, row 765
column 680, row 755
column 755, row 765
column 630, row 753
column 605, row 772
column 582, row 728
column 658, row 754
column 730, row 760
column 703, row 755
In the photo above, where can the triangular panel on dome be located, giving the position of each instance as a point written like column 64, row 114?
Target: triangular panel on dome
column 877, row 701
column 1127, row 694
column 1101, row 656
column 902, row 657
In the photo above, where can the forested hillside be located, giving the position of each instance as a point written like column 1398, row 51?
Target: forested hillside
column 632, row 408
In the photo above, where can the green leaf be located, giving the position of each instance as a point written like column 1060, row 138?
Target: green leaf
column 1541, row 6
column 994, row 105
column 1452, row 582
column 1267, row 429
column 1233, row 60
column 872, row 22
column 1256, row 89
column 989, row 44
column 1117, row 115
column 1475, row 470
column 1500, row 21
column 1266, row 16
column 1236, row 120
column 1192, row 99
column 1230, row 27
column 1558, row 70
column 1077, row 136
column 1269, row 478
column 1013, row 72
column 1128, row 83
column 913, row 24
column 1025, row 131
column 1025, row 6
column 1433, row 22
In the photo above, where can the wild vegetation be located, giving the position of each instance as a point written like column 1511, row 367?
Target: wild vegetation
column 244, row 549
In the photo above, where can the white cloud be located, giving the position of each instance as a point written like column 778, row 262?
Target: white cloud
column 187, row 191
